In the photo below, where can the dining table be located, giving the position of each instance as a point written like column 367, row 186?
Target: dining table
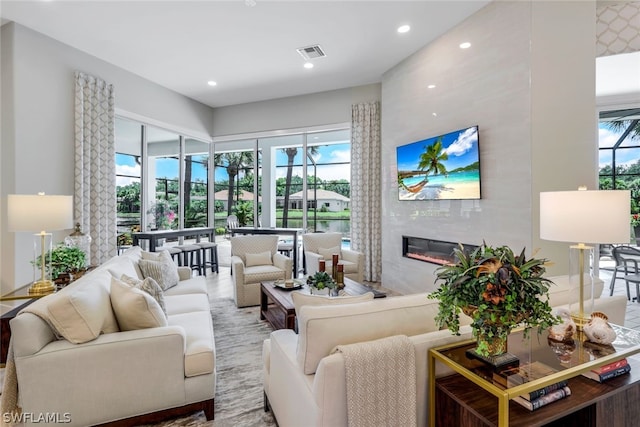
column 154, row 235
column 293, row 232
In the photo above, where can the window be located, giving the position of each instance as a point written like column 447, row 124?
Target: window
column 286, row 165
column 128, row 147
column 619, row 153
column 165, row 188
column 196, row 167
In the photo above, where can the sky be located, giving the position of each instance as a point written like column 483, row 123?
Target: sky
column 461, row 146
column 607, row 138
column 168, row 168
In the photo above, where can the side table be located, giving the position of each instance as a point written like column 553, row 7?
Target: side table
column 21, row 295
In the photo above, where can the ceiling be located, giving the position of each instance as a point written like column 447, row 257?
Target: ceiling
column 250, row 51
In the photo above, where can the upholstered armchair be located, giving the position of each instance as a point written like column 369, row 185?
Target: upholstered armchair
column 319, row 246
column 255, row 259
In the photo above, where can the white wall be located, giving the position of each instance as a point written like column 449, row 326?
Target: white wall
column 324, row 108
column 529, row 84
column 38, row 123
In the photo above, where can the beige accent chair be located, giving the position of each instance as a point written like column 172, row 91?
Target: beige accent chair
column 255, row 259
column 318, row 246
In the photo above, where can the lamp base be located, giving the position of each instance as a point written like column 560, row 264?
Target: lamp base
column 579, row 320
column 42, row 287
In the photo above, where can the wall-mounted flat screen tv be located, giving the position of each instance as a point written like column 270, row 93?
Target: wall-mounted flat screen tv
column 445, row 167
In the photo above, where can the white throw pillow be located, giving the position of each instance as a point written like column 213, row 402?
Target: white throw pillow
column 300, row 299
column 163, row 270
column 263, row 258
column 134, row 308
column 150, row 286
column 327, row 253
column 80, row 313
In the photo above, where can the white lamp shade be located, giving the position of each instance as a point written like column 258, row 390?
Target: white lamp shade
column 40, row 212
column 585, row 216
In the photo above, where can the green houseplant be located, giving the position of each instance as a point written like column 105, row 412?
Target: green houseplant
column 321, row 281
column 64, row 259
column 498, row 290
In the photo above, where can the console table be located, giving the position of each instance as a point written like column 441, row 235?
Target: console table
column 472, row 398
column 153, row 236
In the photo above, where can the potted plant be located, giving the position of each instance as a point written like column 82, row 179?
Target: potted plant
column 65, row 260
column 321, row 283
column 498, row 290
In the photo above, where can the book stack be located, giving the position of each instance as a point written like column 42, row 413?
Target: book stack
column 606, row 372
column 537, row 398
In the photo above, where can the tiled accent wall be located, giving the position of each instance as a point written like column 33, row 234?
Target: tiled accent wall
column 618, row 29
column 515, row 82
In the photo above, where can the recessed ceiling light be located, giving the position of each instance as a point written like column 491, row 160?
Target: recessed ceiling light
column 434, row 114
column 308, row 65
column 404, row 29
column 431, row 86
column 465, row 45
column 212, row 83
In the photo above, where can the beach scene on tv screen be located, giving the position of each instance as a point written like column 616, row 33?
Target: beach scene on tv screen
column 444, row 167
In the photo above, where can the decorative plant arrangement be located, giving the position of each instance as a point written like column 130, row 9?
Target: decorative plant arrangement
column 64, row 259
column 498, row 290
column 320, row 281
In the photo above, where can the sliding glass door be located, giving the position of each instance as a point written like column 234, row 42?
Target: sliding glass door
column 236, row 192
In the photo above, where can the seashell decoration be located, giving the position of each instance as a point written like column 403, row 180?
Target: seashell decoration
column 565, row 329
column 598, row 329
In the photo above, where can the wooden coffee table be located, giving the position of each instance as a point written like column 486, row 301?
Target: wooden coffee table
column 276, row 304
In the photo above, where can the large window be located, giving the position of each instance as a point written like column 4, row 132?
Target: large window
column 619, row 153
column 234, row 182
column 128, row 146
column 287, row 165
column 196, row 199
column 164, row 188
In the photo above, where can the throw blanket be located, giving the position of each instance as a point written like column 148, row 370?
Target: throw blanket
column 9, row 398
column 381, row 382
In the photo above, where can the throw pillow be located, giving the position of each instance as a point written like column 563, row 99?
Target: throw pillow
column 164, row 270
column 82, row 312
column 327, row 253
column 148, row 285
column 134, row 308
column 263, row 258
column 300, row 299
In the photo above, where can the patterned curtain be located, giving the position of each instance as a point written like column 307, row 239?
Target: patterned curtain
column 95, row 182
column 365, row 187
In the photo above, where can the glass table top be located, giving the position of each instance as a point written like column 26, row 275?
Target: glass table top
column 541, row 359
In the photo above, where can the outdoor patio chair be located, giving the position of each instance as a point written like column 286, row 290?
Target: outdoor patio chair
column 627, row 260
column 232, row 222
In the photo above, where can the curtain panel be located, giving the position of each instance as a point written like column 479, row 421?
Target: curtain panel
column 365, row 187
column 95, row 182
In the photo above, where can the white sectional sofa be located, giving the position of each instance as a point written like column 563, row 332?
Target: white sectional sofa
column 305, row 384
column 128, row 377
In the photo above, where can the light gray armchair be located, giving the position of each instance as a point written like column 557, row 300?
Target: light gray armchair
column 255, row 259
column 319, row 246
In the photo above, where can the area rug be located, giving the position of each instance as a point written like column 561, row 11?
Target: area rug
column 239, row 400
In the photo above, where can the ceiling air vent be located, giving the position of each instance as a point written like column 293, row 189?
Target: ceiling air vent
column 311, row 52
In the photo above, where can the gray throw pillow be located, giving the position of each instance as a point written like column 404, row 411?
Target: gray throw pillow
column 150, row 286
column 164, row 271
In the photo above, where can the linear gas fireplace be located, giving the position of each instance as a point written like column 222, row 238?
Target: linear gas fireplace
column 433, row 251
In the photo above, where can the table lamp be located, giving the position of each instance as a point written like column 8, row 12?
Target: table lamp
column 39, row 213
column 584, row 217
